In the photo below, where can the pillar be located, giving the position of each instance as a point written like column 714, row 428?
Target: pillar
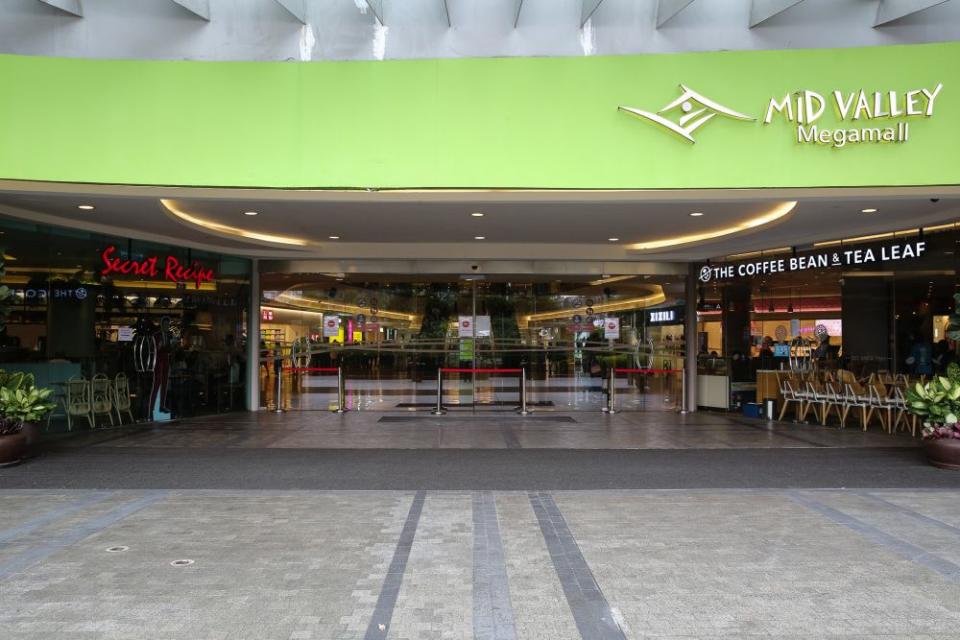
column 867, row 312
column 690, row 342
column 252, row 399
column 736, row 318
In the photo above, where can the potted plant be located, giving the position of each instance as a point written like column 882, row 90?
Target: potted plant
column 12, row 442
column 937, row 403
column 24, row 405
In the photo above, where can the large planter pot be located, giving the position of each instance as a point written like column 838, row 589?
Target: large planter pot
column 11, row 449
column 943, row 453
column 32, row 432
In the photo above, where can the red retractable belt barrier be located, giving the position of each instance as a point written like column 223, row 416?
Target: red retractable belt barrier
column 459, row 370
column 647, row 370
column 312, row 369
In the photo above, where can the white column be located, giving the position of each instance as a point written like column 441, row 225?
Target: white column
column 252, row 399
column 690, row 340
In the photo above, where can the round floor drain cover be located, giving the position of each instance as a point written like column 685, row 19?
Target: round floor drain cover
column 117, row 549
column 181, row 563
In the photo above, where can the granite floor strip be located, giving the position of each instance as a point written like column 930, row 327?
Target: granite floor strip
column 780, row 434
column 910, row 512
column 379, row 625
column 72, row 536
column 589, row 606
column 900, row 547
column 492, row 610
column 510, row 438
column 49, row 517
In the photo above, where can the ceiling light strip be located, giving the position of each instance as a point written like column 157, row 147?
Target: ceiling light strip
column 777, row 213
column 174, row 210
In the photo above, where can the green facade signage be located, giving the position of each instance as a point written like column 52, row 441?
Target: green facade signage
column 880, row 116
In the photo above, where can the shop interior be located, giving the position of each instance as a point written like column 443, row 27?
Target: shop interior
column 156, row 336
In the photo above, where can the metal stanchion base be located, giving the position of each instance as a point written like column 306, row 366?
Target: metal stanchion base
column 524, row 412
column 438, row 412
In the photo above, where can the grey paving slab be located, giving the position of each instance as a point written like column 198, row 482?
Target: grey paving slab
column 436, row 598
column 383, row 612
column 587, row 602
column 727, row 564
column 492, row 608
column 13, row 564
column 678, row 563
column 539, row 606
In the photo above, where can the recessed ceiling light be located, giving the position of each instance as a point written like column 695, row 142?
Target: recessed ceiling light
column 613, row 239
column 85, row 207
column 479, row 237
column 476, row 214
column 697, row 214
column 868, row 210
column 334, row 237
column 251, row 213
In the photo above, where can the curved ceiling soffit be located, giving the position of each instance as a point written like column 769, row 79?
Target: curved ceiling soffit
column 177, row 213
column 779, row 213
column 107, row 229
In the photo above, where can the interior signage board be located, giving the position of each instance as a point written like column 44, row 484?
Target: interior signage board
column 834, row 257
column 672, row 315
column 465, row 327
column 611, row 328
column 484, row 327
column 331, row 326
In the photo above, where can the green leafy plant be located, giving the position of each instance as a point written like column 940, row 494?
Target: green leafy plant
column 953, row 327
column 937, row 403
column 9, row 427
column 21, row 400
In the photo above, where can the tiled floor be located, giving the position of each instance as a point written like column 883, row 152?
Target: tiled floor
column 328, row 565
column 487, row 429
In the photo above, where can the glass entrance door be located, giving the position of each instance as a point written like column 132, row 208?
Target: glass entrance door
column 396, row 340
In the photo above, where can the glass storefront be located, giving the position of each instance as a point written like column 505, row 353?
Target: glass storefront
column 862, row 305
column 392, row 334
column 102, row 319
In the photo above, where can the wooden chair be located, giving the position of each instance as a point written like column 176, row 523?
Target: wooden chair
column 816, row 399
column 788, row 390
column 901, row 415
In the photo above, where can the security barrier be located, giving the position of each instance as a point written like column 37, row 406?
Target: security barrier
column 611, row 407
column 341, row 389
column 522, row 409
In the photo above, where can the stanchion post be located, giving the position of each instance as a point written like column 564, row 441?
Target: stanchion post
column 438, row 410
column 279, row 398
column 612, row 392
column 683, row 391
column 523, row 393
column 341, row 392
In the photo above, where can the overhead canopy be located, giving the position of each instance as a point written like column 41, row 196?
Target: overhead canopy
column 522, row 123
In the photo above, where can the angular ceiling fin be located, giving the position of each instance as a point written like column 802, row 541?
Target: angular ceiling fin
column 72, row 7
column 763, row 10
column 890, row 10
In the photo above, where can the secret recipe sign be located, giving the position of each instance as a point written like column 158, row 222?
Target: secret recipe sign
column 826, row 259
column 170, row 268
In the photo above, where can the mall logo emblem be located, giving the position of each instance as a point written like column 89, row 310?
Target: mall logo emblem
column 706, row 273
column 695, row 109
